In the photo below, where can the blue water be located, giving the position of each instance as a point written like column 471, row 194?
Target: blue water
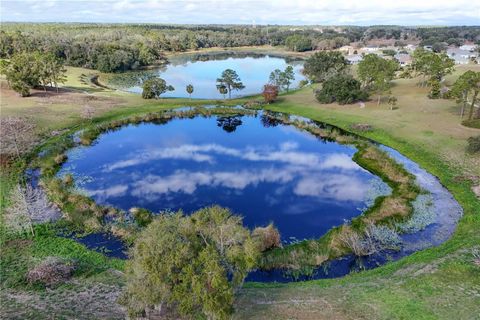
column 253, row 71
column 266, row 174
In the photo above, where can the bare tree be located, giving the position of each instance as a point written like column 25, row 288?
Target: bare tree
column 17, row 136
column 28, row 206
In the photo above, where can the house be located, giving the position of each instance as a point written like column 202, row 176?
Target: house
column 403, row 58
column 410, row 47
column 468, row 47
column 347, row 50
column 370, row 49
column 461, row 56
column 354, row 58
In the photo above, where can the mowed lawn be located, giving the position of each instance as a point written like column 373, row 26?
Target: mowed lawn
column 439, row 283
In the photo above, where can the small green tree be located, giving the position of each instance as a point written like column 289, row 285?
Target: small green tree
column 154, row 87
column 376, row 73
column 231, row 81
column 324, row 65
column 189, row 89
column 466, row 88
column 392, row 101
column 343, row 89
column 190, row 265
column 23, row 72
column 282, row 79
column 288, row 77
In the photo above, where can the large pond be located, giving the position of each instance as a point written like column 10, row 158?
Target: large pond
column 202, row 71
column 267, row 172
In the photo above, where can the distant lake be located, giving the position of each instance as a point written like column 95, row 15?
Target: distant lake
column 202, row 70
column 267, row 172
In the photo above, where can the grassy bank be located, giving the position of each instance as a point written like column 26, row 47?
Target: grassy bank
column 437, row 283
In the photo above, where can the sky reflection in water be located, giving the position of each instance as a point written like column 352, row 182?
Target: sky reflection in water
column 253, row 71
column 280, row 174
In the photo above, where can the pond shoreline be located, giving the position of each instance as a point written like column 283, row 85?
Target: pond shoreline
column 347, row 260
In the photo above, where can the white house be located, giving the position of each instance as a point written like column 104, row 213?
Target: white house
column 468, row 47
column 403, row 58
column 354, row 58
column 461, row 56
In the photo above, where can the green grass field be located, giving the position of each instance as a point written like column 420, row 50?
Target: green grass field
column 438, row 283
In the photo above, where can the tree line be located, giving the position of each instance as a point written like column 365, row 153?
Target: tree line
column 120, row 47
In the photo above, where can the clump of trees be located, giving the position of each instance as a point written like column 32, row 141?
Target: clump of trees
column 27, row 70
column 229, row 81
column 376, row 73
column 433, row 67
column 189, row 266
column 282, row 79
column 298, row 43
column 466, row 89
column 342, row 88
column 324, row 65
column 270, row 93
column 153, row 88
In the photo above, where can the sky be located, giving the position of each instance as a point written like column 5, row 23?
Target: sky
column 290, row 12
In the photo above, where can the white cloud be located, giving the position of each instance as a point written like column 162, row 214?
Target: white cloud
column 286, row 153
column 408, row 12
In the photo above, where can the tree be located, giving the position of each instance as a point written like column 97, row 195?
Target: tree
column 276, row 78
column 392, row 101
column 433, row 67
column 323, row 65
column 231, row 81
column 467, row 88
column 298, row 43
column 343, row 89
column 189, row 266
column 189, row 89
column 153, row 88
column 376, row 73
column 18, row 136
column 23, row 73
column 282, row 79
column 223, row 90
column 288, row 77
column 270, row 93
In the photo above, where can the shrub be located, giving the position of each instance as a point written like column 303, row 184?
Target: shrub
column 189, row 265
column 267, row 237
column 51, row 271
column 270, row 93
column 343, row 89
column 143, row 217
column 473, row 145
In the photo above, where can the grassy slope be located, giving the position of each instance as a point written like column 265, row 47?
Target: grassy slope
column 439, row 283
column 436, row 283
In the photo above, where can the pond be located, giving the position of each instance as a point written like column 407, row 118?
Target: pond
column 202, row 71
column 265, row 171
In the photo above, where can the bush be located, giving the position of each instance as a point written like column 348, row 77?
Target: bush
column 143, row 217
column 189, row 265
column 473, row 145
column 343, row 89
column 52, row 271
column 270, row 93
column 267, row 237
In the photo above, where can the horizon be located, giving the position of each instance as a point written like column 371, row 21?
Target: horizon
column 408, row 13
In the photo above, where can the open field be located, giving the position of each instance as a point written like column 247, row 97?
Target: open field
column 438, row 283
